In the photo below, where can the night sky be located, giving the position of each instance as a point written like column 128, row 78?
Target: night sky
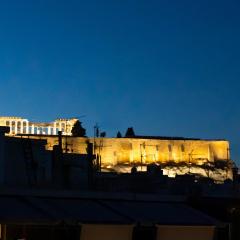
column 164, row 67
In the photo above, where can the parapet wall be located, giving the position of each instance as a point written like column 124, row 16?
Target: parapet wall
column 132, row 150
column 177, row 157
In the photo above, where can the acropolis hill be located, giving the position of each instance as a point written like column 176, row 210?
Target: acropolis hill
column 209, row 158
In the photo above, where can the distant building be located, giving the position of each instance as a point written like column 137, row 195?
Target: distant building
column 19, row 125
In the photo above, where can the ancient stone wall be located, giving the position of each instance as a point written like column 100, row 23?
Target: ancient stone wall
column 175, row 156
column 134, row 150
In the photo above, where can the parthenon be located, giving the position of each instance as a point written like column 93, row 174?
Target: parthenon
column 122, row 153
column 19, row 125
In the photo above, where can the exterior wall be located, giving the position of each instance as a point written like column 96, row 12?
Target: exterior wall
column 177, row 157
column 15, row 169
column 131, row 150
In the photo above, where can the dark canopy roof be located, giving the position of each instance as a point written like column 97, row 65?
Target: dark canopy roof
column 49, row 209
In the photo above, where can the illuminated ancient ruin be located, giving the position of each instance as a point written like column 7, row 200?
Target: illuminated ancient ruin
column 210, row 158
column 20, row 125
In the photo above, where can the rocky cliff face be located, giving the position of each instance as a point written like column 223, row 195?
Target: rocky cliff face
column 218, row 174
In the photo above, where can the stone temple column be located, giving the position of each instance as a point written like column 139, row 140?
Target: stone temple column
column 32, row 129
column 54, row 129
column 27, row 127
column 21, row 129
column 16, row 127
column 10, row 125
column 49, row 130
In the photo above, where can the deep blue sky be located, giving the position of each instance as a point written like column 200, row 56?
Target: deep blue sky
column 163, row 67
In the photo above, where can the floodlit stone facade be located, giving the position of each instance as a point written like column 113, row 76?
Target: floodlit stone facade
column 20, row 125
column 209, row 158
column 175, row 156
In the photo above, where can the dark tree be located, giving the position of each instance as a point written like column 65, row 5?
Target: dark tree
column 78, row 130
column 103, row 134
column 119, row 135
column 130, row 132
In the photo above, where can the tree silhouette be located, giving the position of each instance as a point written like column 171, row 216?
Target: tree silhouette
column 130, row 132
column 78, row 130
column 119, row 135
column 103, row 134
